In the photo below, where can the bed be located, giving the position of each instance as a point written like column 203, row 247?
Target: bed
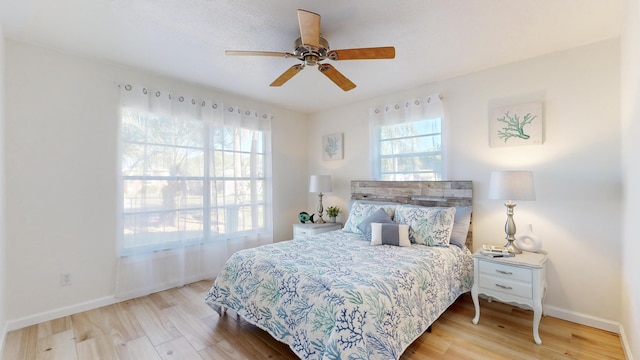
column 337, row 296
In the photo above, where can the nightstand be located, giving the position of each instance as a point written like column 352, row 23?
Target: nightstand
column 520, row 279
column 301, row 231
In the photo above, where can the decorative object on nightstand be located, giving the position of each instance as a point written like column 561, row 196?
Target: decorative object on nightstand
column 511, row 185
column 520, row 279
column 332, row 213
column 302, row 231
column 527, row 240
column 320, row 184
column 495, row 251
column 304, row 217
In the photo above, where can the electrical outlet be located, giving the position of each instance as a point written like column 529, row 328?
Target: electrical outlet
column 65, row 279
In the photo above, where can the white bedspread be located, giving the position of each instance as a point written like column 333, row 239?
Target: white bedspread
column 334, row 296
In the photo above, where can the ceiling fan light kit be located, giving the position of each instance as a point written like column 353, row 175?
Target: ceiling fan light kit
column 311, row 49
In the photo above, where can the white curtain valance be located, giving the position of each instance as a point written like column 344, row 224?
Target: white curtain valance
column 162, row 102
column 415, row 109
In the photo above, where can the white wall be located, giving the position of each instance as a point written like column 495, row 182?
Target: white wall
column 577, row 170
column 60, row 161
column 61, row 167
column 2, row 198
column 630, row 75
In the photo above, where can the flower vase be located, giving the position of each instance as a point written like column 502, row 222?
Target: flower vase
column 332, row 219
column 526, row 240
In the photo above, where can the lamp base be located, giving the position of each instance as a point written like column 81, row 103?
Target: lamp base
column 512, row 248
column 320, row 209
column 510, row 229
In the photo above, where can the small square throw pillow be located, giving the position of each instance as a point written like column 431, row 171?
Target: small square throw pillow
column 378, row 216
column 390, row 234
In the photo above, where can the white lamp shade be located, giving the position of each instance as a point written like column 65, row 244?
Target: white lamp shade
column 511, row 185
column 320, row 183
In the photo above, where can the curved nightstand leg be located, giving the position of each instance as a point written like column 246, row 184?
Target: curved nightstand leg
column 474, row 296
column 537, row 315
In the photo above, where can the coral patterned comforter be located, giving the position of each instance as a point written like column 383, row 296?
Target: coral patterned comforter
column 334, row 296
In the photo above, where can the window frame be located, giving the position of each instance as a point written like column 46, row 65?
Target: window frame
column 208, row 206
column 379, row 157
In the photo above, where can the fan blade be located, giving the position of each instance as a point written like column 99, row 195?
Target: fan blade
column 387, row 52
column 258, row 53
column 337, row 77
column 309, row 28
column 291, row 72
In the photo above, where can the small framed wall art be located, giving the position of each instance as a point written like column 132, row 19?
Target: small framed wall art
column 516, row 125
column 332, row 146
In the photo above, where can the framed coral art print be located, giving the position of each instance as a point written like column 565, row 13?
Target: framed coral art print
column 516, row 125
column 332, row 147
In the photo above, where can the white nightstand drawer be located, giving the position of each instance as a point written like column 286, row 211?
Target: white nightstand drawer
column 506, row 286
column 302, row 231
column 506, row 271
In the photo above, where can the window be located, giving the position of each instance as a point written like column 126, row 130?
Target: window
column 406, row 140
column 411, row 151
column 189, row 181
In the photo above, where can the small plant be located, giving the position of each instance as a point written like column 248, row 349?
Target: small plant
column 333, row 211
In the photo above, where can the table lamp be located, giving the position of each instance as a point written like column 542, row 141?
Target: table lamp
column 511, row 185
column 320, row 184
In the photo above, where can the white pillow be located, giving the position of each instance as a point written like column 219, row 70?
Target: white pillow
column 390, row 234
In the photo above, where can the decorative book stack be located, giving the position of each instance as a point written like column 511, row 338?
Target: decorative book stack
column 495, row 251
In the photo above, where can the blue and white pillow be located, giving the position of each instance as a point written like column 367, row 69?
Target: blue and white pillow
column 429, row 226
column 360, row 211
column 461, row 224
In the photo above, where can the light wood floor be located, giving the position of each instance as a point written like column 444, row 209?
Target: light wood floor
column 176, row 324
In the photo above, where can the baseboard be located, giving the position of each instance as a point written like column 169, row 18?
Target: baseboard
column 136, row 293
column 58, row 313
column 92, row 304
column 625, row 344
column 5, row 330
column 582, row 319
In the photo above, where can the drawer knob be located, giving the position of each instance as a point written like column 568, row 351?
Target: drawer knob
column 504, row 287
column 504, row 272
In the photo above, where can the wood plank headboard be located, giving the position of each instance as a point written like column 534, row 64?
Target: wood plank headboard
column 425, row 193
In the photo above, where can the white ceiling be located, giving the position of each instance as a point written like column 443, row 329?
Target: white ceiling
column 434, row 39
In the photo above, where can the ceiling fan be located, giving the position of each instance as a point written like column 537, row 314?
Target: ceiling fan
column 311, row 48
